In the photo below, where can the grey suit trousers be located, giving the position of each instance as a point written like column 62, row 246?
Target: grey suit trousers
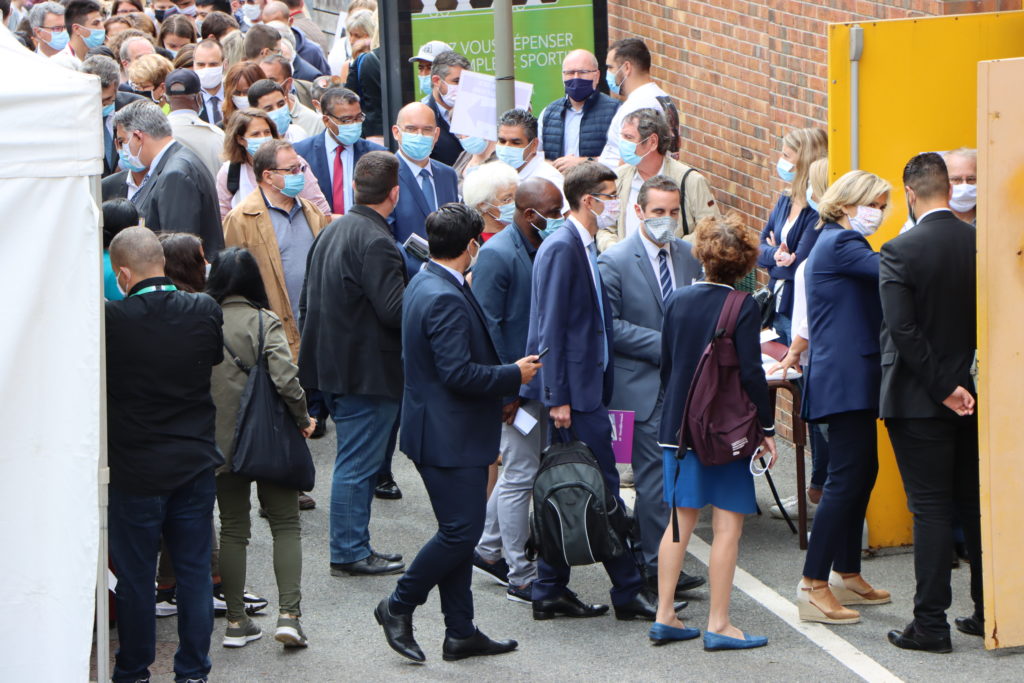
column 651, row 510
column 508, row 509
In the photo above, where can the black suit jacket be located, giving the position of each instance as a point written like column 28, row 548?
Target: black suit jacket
column 180, row 196
column 928, row 280
column 110, row 160
column 447, row 148
column 114, row 186
column 351, row 308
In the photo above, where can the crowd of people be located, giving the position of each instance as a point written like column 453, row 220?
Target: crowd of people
column 466, row 301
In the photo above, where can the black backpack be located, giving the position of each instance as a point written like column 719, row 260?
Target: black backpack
column 575, row 521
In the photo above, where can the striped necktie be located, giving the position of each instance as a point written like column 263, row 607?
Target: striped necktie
column 665, row 276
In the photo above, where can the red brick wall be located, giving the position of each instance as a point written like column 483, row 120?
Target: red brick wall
column 744, row 73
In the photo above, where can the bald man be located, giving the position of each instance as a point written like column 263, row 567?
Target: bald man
column 161, row 347
column 502, row 283
column 574, row 128
column 425, row 183
column 275, row 11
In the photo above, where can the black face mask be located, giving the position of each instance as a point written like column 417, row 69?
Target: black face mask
column 159, row 14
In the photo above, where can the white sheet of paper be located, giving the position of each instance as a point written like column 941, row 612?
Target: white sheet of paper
column 767, row 362
column 524, row 422
column 111, row 581
column 768, row 335
column 474, row 113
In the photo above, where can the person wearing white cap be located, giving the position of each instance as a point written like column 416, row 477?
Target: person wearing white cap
column 424, row 59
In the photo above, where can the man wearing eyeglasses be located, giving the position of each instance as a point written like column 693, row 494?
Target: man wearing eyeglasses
column 278, row 227
column 574, row 128
column 333, row 154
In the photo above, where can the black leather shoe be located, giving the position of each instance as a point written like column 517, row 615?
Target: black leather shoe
column 387, row 490
column 972, row 625
column 687, row 582
column 476, row 645
column 566, row 605
column 398, row 632
column 388, row 557
column 371, row 565
column 642, row 606
column 912, row 639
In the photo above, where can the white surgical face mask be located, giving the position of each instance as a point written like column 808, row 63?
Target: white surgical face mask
column 240, row 101
column 965, row 197
column 211, row 77
column 610, row 215
column 866, row 220
column 449, row 97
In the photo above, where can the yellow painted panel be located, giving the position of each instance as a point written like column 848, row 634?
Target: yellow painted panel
column 1000, row 331
column 918, row 80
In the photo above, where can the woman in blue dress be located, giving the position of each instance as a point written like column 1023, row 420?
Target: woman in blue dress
column 727, row 252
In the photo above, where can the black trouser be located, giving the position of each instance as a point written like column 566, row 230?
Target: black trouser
column 938, row 460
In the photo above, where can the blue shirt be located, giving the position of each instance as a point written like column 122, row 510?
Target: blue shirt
column 294, row 239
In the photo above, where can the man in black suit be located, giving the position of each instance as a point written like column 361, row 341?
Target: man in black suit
column 177, row 193
column 112, row 100
column 928, row 283
column 351, row 350
column 445, row 74
column 451, row 424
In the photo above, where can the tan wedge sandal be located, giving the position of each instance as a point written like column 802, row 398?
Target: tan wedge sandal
column 851, row 591
column 818, row 604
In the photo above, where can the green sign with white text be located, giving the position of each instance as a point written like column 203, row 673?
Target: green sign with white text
column 544, row 34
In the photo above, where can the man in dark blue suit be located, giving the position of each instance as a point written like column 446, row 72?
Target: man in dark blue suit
column 425, row 183
column 332, row 156
column 451, row 417
column 570, row 316
column 445, row 74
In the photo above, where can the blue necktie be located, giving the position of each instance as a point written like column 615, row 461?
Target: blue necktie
column 666, row 276
column 427, row 185
column 592, row 252
column 108, row 147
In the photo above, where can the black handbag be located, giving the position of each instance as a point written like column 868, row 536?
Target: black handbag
column 268, row 445
column 764, row 297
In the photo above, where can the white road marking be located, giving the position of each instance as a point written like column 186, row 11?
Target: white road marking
column 838, row 647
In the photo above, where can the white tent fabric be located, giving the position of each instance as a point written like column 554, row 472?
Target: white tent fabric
column 50, row 365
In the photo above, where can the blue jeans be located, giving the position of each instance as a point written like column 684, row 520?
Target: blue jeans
column 363, row 424
column 784, row 326
column 185, row 518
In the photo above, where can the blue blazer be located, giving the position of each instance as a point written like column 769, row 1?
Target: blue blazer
column 638, row 309
column 411, row 211
column 502, row 284
column 844, row 315
column 451, row 408
column 801, row 239
column 314, row 150
column 564, row 317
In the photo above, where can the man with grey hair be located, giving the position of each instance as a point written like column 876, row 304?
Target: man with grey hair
column 177, row 193
column 445, row 74
column 112, row 101
column 644, row 141
column 161, row 347
column 574, row 128
column 278, row 69
column 962, row 165
column 519, row 147
column 131, row 49
column 48, row 29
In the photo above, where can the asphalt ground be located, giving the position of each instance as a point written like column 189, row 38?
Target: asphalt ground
column 346, row 644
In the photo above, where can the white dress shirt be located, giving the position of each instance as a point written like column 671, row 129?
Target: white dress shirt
column 653, row 250
column 347, row 164
column 645, row 96
column 537, row 167
column 207, row 105
column 587, row 239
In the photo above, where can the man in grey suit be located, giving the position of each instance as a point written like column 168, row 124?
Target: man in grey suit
column 502, row 284
column 177, row 192
column 639, row 273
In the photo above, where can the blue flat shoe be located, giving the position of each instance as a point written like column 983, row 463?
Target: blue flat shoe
column 662, row 634
column 716, row 641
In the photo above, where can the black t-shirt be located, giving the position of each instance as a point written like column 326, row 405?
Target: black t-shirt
column 364, row 80
column 161, row 349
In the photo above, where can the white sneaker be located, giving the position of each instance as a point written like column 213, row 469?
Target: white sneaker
column 241, row 635
column 790, row 506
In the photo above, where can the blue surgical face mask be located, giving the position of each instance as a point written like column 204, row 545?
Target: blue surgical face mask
column 627, row 150
column 417, row 147
column 810, row 202
column 252, row 145
column 786, row 169
column 58, row 40
column 95, row 38
column 424, row 84
column 505, row 212
column 108, row 110
column 549, row 228
column 130, row 162
column 609, row 78
column 350, row 132
column 282, row 118
column 513, row 156
column 473, row 145
column 293, row 184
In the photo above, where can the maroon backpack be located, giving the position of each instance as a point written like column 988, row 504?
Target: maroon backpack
column 720, row 421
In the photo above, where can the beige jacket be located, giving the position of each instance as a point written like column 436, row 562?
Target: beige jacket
column 698, row 202
column 248, row 225
column 241, row 333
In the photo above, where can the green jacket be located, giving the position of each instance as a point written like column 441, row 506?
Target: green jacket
column 241, row 333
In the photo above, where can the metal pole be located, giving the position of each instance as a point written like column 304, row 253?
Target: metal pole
column 102, row 604
column 391, row 67
column 504, row 67
column 856, row 51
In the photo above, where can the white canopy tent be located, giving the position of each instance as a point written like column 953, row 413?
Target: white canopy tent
column 51, row 365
